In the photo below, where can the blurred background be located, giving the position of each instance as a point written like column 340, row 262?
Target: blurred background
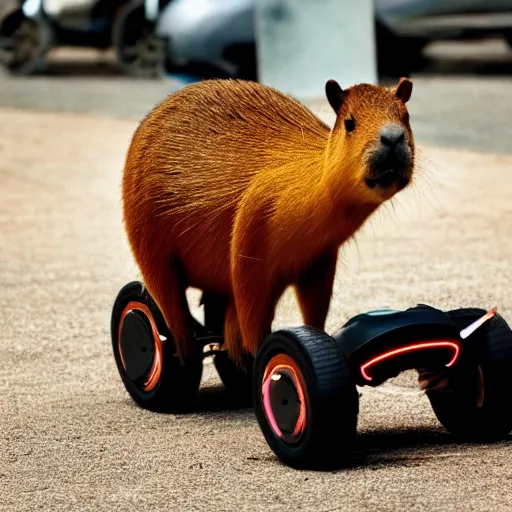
column 120, row 57
column 194, row 39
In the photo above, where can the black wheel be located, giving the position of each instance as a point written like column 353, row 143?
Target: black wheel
column 139, row 51
column 145, row 354
column 305, row 399
column 24, row 43
column 238, row 382
column 476, row 402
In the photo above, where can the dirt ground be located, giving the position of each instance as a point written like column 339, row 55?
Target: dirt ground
column 70, row 437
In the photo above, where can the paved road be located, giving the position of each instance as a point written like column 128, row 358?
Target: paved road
column 70, row 439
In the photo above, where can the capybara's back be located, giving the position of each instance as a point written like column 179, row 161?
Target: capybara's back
column 226, row 188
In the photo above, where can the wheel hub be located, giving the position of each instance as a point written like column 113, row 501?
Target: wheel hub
column 284, row 399
column 136, row 345
column 149, row 48
column 285, row 402
column 22, row 44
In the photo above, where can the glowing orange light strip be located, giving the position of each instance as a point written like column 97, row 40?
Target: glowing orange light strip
column 409, row 348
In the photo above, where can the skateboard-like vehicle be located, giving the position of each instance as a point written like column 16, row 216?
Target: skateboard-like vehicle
column 304, row 382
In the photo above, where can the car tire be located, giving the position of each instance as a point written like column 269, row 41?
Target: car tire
column 139, row 51
column 24, row 44
column 237, row 381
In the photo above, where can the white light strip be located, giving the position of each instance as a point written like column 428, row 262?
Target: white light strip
column 470, row 329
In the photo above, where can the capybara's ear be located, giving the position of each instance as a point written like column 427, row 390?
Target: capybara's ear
column 404, row 89
column 335, row 94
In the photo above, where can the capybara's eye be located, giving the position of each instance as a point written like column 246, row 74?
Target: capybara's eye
column 350, row 125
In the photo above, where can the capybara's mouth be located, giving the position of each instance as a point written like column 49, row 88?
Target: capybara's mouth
column 388, row 179
column 389, row 168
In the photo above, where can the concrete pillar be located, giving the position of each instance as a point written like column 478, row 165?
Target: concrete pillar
column 303, row 43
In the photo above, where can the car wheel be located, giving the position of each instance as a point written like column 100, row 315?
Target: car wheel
column 139, row 51
column 24, row 43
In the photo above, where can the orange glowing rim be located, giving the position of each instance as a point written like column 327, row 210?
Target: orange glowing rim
column 156, row 368
column 284, row 364
column 409, row 348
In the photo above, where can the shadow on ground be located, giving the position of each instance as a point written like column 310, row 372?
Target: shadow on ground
column 405, row 448
column 212, row 400
column 218, row 399
column 413, row 446
column 372, row 449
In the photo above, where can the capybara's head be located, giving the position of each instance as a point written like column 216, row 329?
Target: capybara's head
column 373, row 137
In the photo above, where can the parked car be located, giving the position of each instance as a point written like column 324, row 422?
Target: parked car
column 217, row 37
column 405, row 27
column 30, row 28
column 210, row 35
column 220, row 33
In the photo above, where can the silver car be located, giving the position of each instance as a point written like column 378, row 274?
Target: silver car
column 220, row 33
column 210, row 33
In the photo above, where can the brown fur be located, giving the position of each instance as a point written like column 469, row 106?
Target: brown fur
column 236, row 189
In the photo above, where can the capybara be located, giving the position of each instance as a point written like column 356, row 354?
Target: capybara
column 238, row 190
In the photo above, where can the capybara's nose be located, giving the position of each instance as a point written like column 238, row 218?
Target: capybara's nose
column 391, row 135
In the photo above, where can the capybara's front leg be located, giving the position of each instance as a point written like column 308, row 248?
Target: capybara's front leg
column 314, row 289
column 255, row 306
column 253, row 289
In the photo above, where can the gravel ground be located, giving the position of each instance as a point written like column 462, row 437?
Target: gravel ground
column 71, row 439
